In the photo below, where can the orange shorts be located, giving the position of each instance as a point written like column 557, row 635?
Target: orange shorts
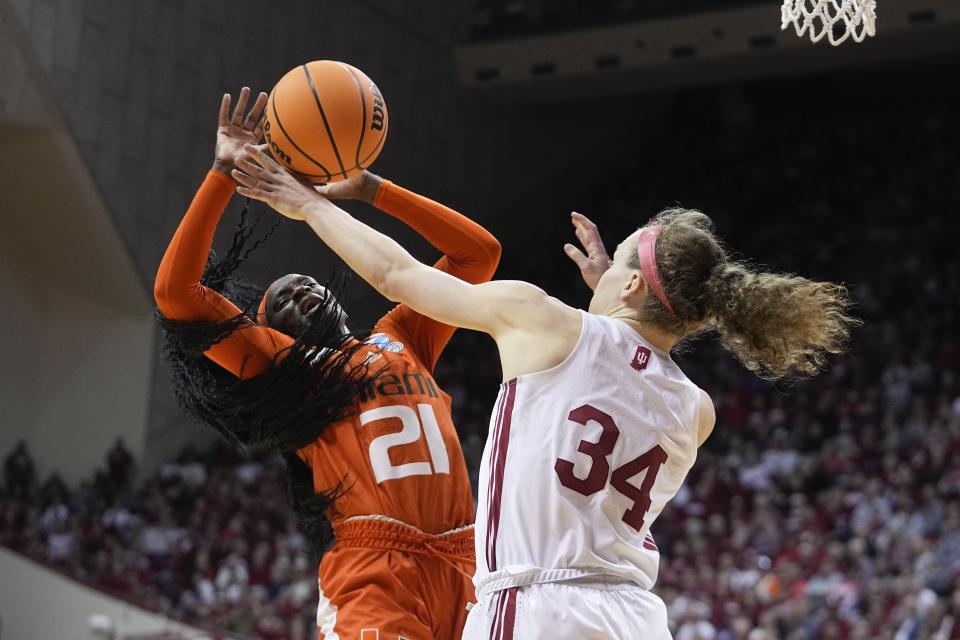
column 385, row 580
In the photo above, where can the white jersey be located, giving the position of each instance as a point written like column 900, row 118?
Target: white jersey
column 581, row 459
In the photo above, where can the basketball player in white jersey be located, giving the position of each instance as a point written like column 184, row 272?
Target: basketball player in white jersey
column 595, row 427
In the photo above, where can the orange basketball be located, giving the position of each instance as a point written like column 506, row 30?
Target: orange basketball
column 326, row 121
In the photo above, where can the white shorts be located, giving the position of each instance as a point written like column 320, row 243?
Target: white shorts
column 569, row 611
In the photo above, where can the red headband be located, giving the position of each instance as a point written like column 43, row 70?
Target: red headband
column 647, row 252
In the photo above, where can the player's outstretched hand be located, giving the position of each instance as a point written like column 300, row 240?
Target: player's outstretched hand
column 363, row 186
column 261, row 178
column 595, row 262
column 237, row 129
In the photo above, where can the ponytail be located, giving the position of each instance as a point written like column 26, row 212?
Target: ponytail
column 777, row 325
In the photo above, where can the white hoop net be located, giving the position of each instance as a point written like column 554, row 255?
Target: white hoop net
column 837, row 20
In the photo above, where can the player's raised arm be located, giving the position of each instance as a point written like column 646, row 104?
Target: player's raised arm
column 510, row 311
column 382, row 262
column 179, row 295
column 470, row 252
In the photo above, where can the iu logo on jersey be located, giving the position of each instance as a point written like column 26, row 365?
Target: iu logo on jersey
column 641, row 358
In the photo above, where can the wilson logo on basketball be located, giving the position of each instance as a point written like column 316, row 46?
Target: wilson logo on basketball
column 278, row 153
column 377, row 122
column 641, row 358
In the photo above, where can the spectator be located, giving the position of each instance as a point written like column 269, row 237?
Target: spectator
column 119, row 464
column 18, row 471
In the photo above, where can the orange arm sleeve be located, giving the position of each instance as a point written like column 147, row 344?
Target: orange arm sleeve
column 248, row 351
column 471, row 254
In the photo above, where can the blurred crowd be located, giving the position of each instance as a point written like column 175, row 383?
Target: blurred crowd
column 498, row 19
column 208, row 539
column 819, row 509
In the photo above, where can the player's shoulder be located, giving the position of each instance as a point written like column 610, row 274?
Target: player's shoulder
column 519, row 289
column 386, row 337
column 387, row 345
column 526, row 298
column 707, row 419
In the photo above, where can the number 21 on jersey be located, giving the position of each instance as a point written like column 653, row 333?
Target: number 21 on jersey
column 412, row 431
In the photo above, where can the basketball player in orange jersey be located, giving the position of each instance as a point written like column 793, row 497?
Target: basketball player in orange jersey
column 595, row 427
column 364, row 426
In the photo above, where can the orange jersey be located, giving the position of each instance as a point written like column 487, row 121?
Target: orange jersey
column 399, row 456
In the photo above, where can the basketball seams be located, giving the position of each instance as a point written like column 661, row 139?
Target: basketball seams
column 363, row 116
column 376, row 149
column 276, row 117
column 323, row 115
column 339, row 111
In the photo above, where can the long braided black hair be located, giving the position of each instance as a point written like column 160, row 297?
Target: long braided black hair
column 310, row 385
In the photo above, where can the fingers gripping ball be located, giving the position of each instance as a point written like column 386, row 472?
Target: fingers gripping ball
column 326, row 121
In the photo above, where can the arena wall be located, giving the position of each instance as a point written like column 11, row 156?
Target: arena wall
column 78, row 338
column 78, row 329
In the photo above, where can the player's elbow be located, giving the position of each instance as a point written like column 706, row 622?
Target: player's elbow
column 390, row 283
column 162, row 295
column 483, row 261
column 404, row 284
column 492, row 251
column 172, row 301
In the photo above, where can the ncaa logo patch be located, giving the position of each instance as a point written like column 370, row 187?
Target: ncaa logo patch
column 378, row 340
column 641, row 358
column 383, row 342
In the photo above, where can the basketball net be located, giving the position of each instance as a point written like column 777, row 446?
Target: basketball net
column 838, row 20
